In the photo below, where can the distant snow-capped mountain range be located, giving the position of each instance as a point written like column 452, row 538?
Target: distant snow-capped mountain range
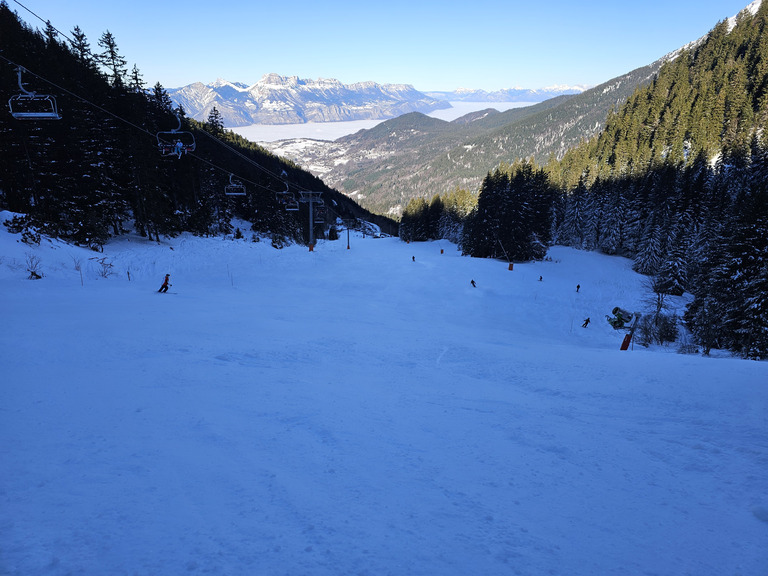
column 279, row 99
column 507, row 95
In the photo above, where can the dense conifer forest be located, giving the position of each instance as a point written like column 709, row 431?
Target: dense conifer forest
column 98, row 169
column 677, row 181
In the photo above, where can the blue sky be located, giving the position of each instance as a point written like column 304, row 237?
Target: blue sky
column 487, row 44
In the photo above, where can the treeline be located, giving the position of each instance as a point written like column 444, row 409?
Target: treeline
column 442, row 217
column 677, row 181
column 512, row 217
column 86, row 176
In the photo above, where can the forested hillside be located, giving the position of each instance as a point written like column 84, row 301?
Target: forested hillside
column 677, row 180
column 415, row 156
column 99, row 168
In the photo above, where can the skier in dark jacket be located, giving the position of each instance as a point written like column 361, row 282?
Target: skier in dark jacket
column 166, row 283
column 586, row 323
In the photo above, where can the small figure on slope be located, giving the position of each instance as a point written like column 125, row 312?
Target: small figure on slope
column 166, row 284
column 586, row 323
column 473, row 283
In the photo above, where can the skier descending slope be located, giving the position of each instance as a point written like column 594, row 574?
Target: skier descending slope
column 166, row 284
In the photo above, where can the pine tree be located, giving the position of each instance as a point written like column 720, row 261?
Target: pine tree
column 649, row 256
column 610, row 240
column 51, row 34
column 575, row 224
column 215, row 122
column 747, row 249
column 82, row 48
column 111, row 59
column 458, row 204
column 136, row 82
column 672, row 273
column 434, row 213
column 160, row 98
column 415, row 221
column 483, row 230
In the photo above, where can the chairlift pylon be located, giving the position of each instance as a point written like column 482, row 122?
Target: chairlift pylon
column 234, row 188
column 31, row 105
column 175, row 141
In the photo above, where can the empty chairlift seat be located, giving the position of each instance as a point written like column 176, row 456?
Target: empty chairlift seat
column 31, row 105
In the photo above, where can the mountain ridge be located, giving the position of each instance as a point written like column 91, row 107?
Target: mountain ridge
column 276, row 99
column 422, row 162
column 437, row 162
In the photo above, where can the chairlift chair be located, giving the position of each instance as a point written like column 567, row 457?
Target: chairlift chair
column 31, row 105
column 234, row 188
column 175, row 141
column 288, row 200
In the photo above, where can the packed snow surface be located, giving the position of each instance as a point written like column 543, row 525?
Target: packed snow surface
column 361, row 411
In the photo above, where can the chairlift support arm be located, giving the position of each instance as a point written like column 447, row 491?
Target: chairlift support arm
column 31, row 105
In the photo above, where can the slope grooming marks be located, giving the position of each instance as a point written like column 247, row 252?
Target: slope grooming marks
column 361, row 410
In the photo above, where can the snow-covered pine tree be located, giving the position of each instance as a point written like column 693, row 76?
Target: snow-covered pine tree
column 613, row 221
column 483, row 227
column 575, row 222
column 672, row 273
column 649, row 256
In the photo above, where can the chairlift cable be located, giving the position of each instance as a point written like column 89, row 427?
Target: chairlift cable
column 48, row 22
column 251, row 161
column 144, row 130
column 233, row 150
column 113, row 115
column 238, row 153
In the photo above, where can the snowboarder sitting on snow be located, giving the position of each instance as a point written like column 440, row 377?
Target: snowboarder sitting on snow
column 166, row 284
column 586, row 323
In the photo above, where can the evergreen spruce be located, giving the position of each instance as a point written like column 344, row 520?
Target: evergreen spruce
column 97, row 171
column 111, row 59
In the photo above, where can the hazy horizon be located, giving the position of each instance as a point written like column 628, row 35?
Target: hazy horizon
column 333, row 130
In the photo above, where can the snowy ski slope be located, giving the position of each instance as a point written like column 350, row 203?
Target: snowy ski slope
column 362, row 411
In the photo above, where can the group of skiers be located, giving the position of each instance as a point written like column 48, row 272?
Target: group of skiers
column 167, row 284
column 541, row 279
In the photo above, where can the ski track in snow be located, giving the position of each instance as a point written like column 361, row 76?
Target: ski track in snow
column 355, row 411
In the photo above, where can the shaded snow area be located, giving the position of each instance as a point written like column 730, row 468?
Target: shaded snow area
column 362, row 411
